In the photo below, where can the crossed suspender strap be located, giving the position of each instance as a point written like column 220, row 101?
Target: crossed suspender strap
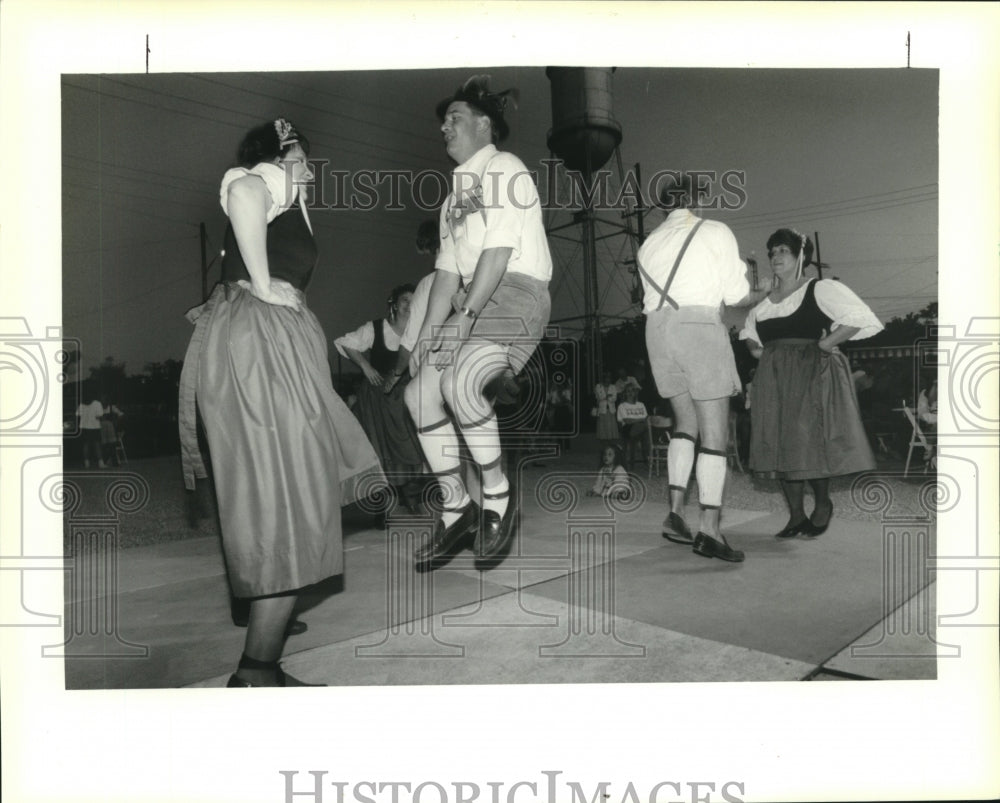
column 673, row 271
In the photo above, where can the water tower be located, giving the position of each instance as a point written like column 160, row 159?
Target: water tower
column 584, row 136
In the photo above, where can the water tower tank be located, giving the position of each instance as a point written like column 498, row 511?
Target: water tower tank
column 582, row 119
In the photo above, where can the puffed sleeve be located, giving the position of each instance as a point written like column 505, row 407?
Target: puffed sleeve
column 361, row 339
column 843, row 305
column 749, row 330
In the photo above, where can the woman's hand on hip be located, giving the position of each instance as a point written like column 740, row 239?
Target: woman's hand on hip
column 372, row 375
column 276, row 292
column 824, row 344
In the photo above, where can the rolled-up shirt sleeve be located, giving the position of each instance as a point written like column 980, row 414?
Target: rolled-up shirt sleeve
column 361, row 339
column 844, row 306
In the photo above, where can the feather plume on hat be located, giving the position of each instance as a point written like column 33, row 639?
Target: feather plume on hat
column 476, row 93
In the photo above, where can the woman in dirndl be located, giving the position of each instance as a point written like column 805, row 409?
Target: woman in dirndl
column 286, row 452
column 606, row 394
column 805, row 422
column 374, row 348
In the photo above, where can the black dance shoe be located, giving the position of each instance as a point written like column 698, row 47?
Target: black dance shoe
column 710, row 547
column 675, row 529
column 815, row 529
column 283, row 680
column 496, row 532
column 798, row 528
column 445, row 540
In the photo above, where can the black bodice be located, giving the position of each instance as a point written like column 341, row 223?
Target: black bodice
column 291, row 251
column 807, row 321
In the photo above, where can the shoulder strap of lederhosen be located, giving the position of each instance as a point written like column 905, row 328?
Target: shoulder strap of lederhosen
column 665, row 290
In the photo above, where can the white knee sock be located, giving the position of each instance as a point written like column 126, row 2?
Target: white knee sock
column 498, row 505
column 711, row 474
column 680, row 459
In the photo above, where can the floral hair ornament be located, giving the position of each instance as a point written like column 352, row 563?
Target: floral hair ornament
column 802, row 254
column 287, row 135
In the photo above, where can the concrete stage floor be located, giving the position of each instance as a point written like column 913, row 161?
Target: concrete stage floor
column 587, row 595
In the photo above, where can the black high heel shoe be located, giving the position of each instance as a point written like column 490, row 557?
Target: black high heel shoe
column 815, row 529
column 791, row 530
column 281, row 677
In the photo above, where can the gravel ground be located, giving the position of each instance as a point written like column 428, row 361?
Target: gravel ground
column 171, row 514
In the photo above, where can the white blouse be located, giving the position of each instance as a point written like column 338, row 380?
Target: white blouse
column 363, row 338
column 836, row 300
column 607, row 396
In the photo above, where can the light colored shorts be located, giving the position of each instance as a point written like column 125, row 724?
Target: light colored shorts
column 690, row 352
column 515, row 316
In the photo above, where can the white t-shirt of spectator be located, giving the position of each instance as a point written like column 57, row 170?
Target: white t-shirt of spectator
column 631, row 411
column 90, row 415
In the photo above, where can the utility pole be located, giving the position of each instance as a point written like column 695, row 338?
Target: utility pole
column 819, row 264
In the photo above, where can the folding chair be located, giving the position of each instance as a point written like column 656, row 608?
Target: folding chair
column 918, row 438
column 120, row 455
column 658, row 431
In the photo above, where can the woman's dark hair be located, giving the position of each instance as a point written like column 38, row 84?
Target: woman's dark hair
column 401, row 290
column 263, row 144
column 428, row 237
column 619, row 455
column 793, row 240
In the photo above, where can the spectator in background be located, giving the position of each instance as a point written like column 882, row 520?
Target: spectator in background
column 374, row 348
column 89, row 418
column 606, row 409
column 624, row 379
column 612, row 478
column 927, row 404
column 110, row 418
column 632, row 415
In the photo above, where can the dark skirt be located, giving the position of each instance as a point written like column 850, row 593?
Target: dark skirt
column 390, row 429
column 805, row 422
column 286, row 451
column 607, row 427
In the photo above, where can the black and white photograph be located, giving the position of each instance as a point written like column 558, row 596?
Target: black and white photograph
column 560, row 412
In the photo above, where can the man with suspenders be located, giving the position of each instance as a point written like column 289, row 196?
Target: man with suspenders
column 689, row 268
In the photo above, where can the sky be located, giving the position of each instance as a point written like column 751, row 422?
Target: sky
column 850, row 154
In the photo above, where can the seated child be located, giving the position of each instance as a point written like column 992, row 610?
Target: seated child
column 612, row 478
